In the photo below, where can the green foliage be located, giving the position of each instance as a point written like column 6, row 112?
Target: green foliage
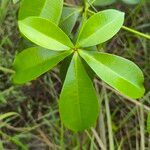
column 78, row 103
column 35, row 61
column 7, row 115
column 109, row 2
column 131, row 2
column 118, row 72
column 64, row 67
column 3, row 9
column 100, row 27
column 103, row 2
column 49, row 36
column 48, row 9
column 78, row 98
column 68, row 19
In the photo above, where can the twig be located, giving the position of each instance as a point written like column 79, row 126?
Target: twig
column 6, row 70
column 46, row 140
column 136, row 32
column 98, row 139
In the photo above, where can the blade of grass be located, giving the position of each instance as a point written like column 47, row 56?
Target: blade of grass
column 92, row 140
column 9, row 114
column 6, row 70
column 14, row 140
column 133, row 111
column 137, row 140
column 101, row 120
column 62, row 137
column 142, row 128
column 109, row 122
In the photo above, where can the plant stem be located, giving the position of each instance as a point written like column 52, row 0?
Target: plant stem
column 6, row 70
column 46, row 139
column 92, row 140
column 62, row 137
column 142, row 128
column 109, row 122
column 136, row 32
column 101, row 145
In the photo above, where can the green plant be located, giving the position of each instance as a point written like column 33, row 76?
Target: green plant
column 3, row 9
column 78, row 105
column 109, row 2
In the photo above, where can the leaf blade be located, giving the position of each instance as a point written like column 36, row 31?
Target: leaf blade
column 78, row 103
column 131, row 2
column 100, row 27
column 33, row 62
column 49, row 36
column 120, row 73
column 48, row 9
column 103, row 2
column 7, row 115
column 68, row 19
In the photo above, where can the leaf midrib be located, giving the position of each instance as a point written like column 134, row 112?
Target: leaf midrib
column 77, row 87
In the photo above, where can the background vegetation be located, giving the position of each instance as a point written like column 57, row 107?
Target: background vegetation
column 122, row 123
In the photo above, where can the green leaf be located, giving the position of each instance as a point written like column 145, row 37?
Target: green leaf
column 103, row 2
column 64, row 67
column 7, row 115
column 68, row 19
column 33, row 62
column 120, row 73
column 18, row 142
column 78, row 103
column 89, row 71
column 45, row 34
column 131, row 2
column 100, row 27
column 48, row 9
